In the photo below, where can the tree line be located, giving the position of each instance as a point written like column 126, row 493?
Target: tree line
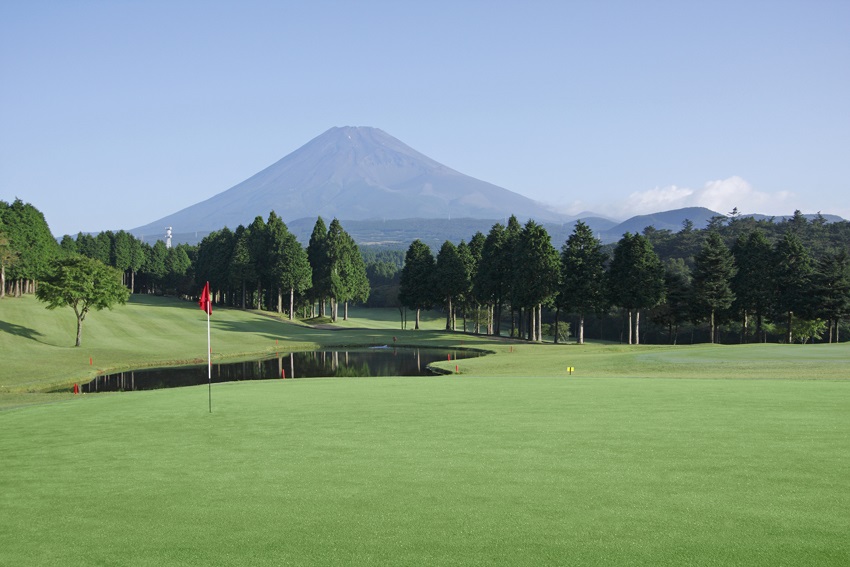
column 259, row 264
column 785, row 280
column 250, row 267
column 789, row 280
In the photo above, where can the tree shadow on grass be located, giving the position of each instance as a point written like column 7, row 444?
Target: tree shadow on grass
column 20, row 330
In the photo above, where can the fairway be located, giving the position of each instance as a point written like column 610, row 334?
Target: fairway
column 443, row 470
column 651, row 455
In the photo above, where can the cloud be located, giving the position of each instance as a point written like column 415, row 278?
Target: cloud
column 721, row 196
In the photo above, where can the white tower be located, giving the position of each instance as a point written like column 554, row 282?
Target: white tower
column 168, row 237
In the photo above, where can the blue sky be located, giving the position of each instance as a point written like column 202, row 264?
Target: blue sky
column 114, row 114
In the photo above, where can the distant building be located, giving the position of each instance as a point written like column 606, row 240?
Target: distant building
column 168, row 237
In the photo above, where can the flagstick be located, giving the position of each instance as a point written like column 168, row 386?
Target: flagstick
column 209, row 360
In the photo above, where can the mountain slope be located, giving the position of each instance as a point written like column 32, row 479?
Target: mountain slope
column 353, row 173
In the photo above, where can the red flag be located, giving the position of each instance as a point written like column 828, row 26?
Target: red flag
column 205, row 303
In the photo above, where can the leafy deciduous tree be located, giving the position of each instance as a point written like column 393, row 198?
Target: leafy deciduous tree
column 83, row 284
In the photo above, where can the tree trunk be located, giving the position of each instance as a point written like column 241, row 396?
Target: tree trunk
column 279, row 299
column 744, row 325
column 416, row 328
column 449, row 313
column 80, row 318
column 637, row 326
column 540, row 322
column 557, row 323
column 711, row 327
column 580, row 329
column 789, row 336
column 291, row 302
column 630, row 325
column 2, row 281
column 345, row 311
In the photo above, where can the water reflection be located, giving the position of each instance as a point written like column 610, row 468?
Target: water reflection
column 347, row 363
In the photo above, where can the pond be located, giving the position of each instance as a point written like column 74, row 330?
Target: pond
column 378, row 361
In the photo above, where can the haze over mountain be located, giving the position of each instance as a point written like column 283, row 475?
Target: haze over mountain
column 353, row 173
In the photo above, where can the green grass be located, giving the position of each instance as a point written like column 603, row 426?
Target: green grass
column 152, row 331
column 446, row 470
column 651, row 455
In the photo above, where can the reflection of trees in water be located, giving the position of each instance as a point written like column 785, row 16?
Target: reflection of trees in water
column 358, row 363
column 353, row 371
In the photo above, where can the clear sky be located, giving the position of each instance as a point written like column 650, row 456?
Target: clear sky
column 116, row 113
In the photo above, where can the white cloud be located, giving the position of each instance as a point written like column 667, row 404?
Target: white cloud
column 721, row 196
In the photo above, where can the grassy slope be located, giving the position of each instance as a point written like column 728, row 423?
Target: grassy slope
column 511, row 463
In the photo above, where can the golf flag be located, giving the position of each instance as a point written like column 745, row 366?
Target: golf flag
column 205, row 303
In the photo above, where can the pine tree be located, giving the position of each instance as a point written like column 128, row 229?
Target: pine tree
column 793, row 278
column 831, row 289
column 635, row 279
column 488, row 284
column 753, row 283
column 451, row 279
column 317, row 254
column 582, row 276
column 714, row 268
column 416, row 288
column 536, row 268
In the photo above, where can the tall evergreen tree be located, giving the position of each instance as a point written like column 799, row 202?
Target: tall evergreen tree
column 293, row 270
column 536, row 270
column 509, row 269
column 793, row 279
column 489, row 285
column 831, row 289
column 121, row 254
column 676, row 307
column 416, row 288
column 635, row 279
column 353, row 274
column 753, row 283
column 8, row 256
column 155, row 267
column 317, row 254
column 476, row 254
column 241, row 267
column 714, row 268
column 276, row 235
column 582, row 275
column 30, row 239
column 257, row 240
column 451, row 279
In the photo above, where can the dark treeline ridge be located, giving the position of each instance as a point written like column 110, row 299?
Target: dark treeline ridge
column 738, row 280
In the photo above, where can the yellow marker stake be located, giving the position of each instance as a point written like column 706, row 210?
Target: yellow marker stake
column 570, row 369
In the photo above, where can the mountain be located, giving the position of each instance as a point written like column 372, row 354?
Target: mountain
column 669, row 220
column 353, row 173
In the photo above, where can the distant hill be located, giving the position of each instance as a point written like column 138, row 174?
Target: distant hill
column 809, row 217
column 354, row 174
column 667, row 220
column 399, row 233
